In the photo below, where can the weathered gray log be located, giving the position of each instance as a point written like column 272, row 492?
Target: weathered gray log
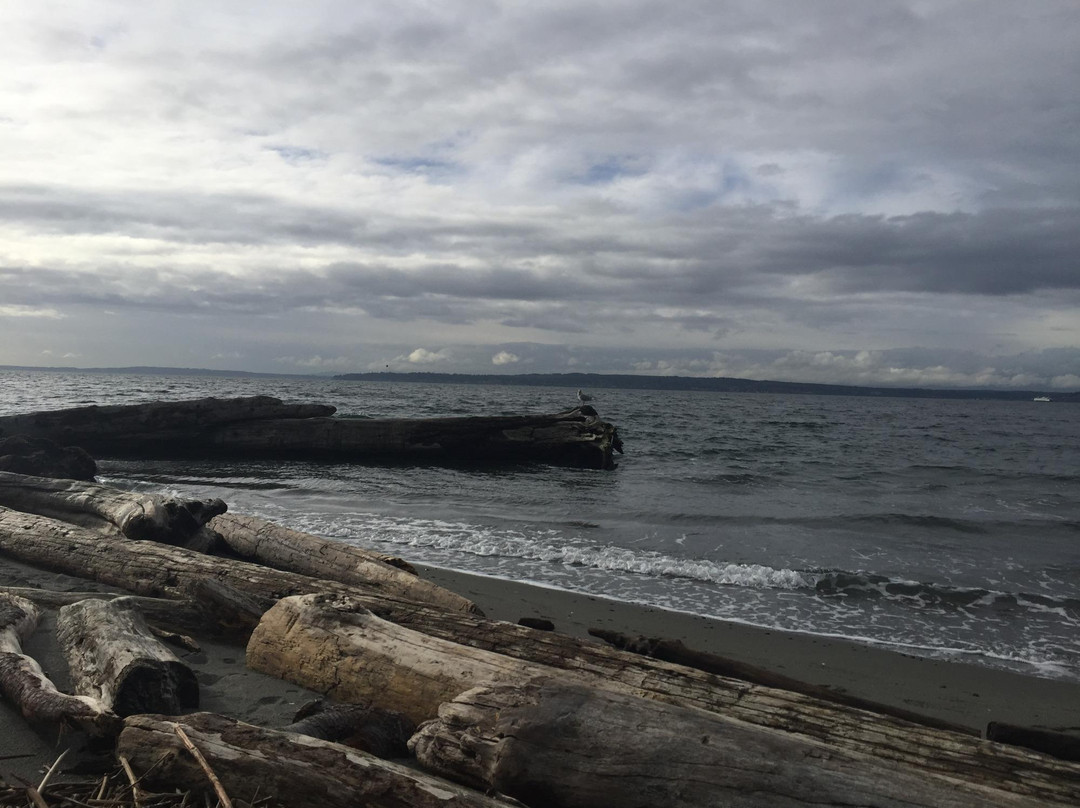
column 263, row 426
column 26, row 686
column 104, row 508
column 125, row 428
column 253, row 762
column 153, row 569
column 372, row 729
column 45, row 458
column 114, row 657
column 334, row 646
column 571, row 746
column 280, row 547
column 677, row 652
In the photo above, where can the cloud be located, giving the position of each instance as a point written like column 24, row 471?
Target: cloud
column 505, row 358
column 422, row 356
column 29, row 311
column 742, row 177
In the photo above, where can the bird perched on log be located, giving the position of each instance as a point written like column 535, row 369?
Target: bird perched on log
column 583, row 397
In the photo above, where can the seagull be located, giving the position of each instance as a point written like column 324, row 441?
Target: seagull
column 583, row 397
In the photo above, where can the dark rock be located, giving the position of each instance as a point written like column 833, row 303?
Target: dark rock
column 41, row 457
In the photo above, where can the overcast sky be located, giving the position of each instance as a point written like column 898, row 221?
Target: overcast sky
column 881, row 192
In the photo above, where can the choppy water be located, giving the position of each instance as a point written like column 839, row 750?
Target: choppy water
column 947, row 528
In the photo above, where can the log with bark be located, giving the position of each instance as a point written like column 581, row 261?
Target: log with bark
column 25, row 685
column 261, row 426
column 255, row 539
column 109, row 510
column 302, row 772
column 114, row 658
column 158, row 570
column 563, row 745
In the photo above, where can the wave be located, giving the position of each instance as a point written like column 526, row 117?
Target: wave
column 856, row 586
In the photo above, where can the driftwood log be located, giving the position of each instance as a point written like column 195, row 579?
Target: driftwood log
column 279, row 547
column 108, row 509
column 127, row 428
column 334, row 646
column 158, row 570
column 114, row 657
column 261, row 426
column 675, row 651
column 251, row 763
column 25, row 685
column 569, row 746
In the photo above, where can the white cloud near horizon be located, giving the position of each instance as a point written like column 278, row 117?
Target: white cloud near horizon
column 632, row 187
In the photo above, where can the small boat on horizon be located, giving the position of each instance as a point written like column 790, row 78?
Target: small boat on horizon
column 1041, row 398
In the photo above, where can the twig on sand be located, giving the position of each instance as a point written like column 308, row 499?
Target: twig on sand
column 135, row 790
column 219, row 789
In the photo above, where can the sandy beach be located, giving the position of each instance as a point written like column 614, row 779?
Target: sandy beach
column 964, row 694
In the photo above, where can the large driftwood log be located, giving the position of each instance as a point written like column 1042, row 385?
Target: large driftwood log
column 572, row 438
column 113, row 657
column 108, row 509
column 158, row 570
column 570, row 746
column 125, row 428
column 252, row 762
column 334, row 646
column 24, row 683
column 279, row 547
column 263, row 426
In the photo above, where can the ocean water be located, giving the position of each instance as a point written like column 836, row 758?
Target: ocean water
column 942, row 528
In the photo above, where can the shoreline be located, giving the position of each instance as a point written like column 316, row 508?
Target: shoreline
column 962, row 693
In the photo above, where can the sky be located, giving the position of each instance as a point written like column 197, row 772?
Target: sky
column 838, row 191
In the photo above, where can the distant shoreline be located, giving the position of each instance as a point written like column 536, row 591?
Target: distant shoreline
column 619, row 381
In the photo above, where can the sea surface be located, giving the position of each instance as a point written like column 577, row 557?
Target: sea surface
column 942, row 528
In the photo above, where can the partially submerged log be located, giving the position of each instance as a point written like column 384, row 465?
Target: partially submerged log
column 125, row 428
column 25, row 685
column 261, row 426
column 107, row 509
column 572, row 438
column 279, row 547
column 252, row 762
column 113, row 657
column 571, row 746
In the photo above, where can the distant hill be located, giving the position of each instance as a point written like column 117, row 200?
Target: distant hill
column 711, row 384
column 624, row 381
